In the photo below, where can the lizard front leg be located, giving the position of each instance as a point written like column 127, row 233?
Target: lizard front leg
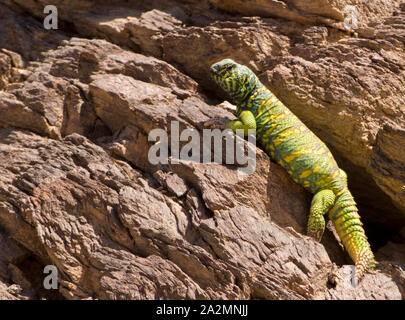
column 245, row 122
column 322, row 202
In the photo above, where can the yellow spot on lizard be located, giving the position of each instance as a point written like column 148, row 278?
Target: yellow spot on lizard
column 297, row 154
column 305, row 173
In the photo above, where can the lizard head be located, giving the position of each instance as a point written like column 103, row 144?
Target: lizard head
column 236, row 79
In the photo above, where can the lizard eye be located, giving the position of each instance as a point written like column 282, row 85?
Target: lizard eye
column 228, row 67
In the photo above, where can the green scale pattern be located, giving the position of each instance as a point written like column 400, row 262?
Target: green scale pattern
column 306, row 158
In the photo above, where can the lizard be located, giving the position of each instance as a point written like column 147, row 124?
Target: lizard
column 291, row 144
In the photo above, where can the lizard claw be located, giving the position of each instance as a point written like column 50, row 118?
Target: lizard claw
column 315, row 234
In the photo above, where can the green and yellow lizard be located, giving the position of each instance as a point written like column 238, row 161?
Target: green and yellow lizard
column 306, row 158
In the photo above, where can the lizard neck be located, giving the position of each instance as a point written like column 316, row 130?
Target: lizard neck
column 262, row 103
column 252, row 98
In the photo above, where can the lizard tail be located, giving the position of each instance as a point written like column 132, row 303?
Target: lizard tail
column 346, row 220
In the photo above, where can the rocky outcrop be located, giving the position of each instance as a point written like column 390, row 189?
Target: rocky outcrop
column 78, row 191
column 311, row 12
column 345, row 87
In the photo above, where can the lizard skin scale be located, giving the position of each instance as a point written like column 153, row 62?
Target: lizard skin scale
column 299, row 151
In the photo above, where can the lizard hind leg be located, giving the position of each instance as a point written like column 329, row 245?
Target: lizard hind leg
column 322, row 202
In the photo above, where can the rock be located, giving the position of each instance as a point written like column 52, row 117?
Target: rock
column 23, row 34
column 314, row 12
column 4, row 294
column 392, row 252
column 11, row 66
column 369, row 288
column 80, row 58
column 103, row 201
column 11, row 252
column 78, row 189
column 305, row 73
column 5, row 67
column 387, row 161
column 172, row 182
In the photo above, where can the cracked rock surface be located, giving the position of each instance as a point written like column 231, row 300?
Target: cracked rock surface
column 78, row 191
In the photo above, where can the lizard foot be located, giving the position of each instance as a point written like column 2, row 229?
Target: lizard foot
column 316, row 234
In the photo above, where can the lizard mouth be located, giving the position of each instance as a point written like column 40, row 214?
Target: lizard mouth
column 213, row 71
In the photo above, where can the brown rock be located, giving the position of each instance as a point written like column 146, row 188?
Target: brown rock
column 310, row 12
column 4, row 294
column 102, row 201
column 24, row 34
column 388, row 161
column 319, row 73
column 78, row 191
column 369, row 288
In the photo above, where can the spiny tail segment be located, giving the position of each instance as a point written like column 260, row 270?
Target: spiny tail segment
column 349, row 228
